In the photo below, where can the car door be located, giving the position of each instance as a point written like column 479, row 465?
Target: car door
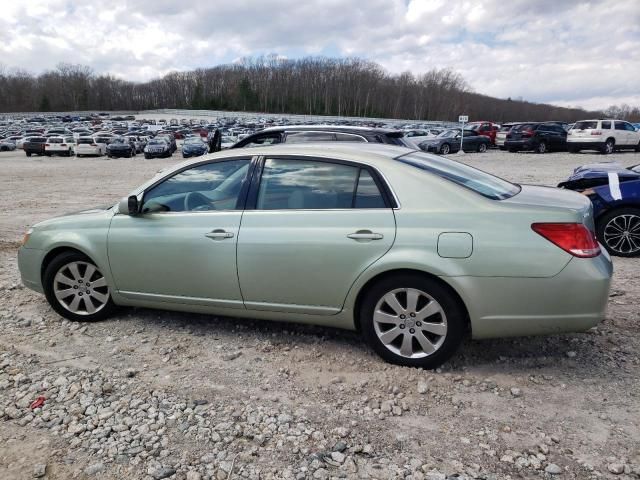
column 633, row 136
column 311, row 227
column 621, row 134
column 181, row 247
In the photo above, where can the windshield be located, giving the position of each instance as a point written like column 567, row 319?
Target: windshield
column 480, row 182
column 194, row 140
column 449, row 133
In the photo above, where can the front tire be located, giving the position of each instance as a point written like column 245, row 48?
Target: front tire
column 482, row 148
column 76, row 289
column 412, row 320
column 541, row 147
column 619, row 231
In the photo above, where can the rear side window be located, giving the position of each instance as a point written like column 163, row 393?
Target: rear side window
column 348, row 137
column 367, row 193
column 589, row 125
column 302, row 137
column 480, row 182
column 316, row 185
column 606, row 124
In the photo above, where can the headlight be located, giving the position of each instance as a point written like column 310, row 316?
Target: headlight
column 25, row 239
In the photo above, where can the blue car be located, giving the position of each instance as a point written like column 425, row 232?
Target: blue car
column 615, row 194
column 194, row 147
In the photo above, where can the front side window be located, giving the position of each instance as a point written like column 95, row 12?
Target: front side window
column 203, row 188
column 619, row 125
column 480, row 182
column 629, row 127
column 311, row 184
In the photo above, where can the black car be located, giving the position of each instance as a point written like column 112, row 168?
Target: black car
column 34, row 145
column 322, row 133
column 171, row 140
column 539, row 137
column 194, row 147
column 449, row 142
column 157, row 148
column 121, row 147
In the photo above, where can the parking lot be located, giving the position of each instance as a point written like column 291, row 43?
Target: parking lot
column 176, row 395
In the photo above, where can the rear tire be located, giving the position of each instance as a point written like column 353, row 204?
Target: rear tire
column 638, row 147
column 422, row 328
column 541, row 147
column 608, row 147
column 445, row 149
column 482, row 148
column 59, row 275
column 611, row 228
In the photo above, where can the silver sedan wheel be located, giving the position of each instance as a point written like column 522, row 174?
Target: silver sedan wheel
column 622, row 234
column 81, row 288
column 410, row 323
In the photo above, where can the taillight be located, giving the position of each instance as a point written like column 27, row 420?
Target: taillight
column 63, row 144
column 94, row 145
column 527, row 133
column 573, row 238
column 596, row 132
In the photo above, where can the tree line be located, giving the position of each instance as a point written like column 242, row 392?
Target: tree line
column 311, row 86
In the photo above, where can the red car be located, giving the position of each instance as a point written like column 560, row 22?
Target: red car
column 488, row 129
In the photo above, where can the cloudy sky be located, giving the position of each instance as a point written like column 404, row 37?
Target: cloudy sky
column 566, row 52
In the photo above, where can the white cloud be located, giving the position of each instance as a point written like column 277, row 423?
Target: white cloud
column 568, row 53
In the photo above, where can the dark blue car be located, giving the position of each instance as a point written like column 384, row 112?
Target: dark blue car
column 615, row 194
column 194, row 147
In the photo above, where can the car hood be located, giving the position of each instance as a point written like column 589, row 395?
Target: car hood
column 89, row 214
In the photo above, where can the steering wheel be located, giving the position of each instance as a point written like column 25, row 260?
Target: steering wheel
column 197, row 201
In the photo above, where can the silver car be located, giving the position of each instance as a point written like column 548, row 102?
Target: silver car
column 411, row 249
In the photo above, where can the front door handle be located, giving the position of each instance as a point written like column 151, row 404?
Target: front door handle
column 218, row 234
column 365, row 235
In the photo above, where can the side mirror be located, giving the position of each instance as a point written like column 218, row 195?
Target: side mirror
column 129, row 206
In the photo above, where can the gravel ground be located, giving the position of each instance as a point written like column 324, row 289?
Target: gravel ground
column 152, row 394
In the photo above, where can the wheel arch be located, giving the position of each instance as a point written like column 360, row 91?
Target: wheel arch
column 404, row 271
column 57, row 251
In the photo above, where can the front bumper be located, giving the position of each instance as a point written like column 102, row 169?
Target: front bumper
column 29, row 264
column 120, row 153
column 574, row 300
column 163, row 154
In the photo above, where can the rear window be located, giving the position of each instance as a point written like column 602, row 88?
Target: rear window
column 54, row 140
column 37, row 140
column 85, row 141
column 525, row 126
column 585, row 125
column 480, row 182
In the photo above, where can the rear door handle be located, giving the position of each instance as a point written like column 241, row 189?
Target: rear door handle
column 365, row 235
column 218, row 234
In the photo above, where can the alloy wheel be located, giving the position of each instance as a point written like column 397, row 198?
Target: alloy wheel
column 608, row 147
column 622, row 234
column 445, row 149
column 81, row 288
column 410, row 323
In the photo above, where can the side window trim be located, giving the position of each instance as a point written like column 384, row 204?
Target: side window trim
column 388, row 195
column 244, row 189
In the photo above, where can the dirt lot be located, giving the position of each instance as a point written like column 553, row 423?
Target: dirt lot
column 152, row 394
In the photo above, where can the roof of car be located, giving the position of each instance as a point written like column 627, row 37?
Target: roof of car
column 333, row 128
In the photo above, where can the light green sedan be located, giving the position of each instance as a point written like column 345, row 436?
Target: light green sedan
column 411, row 249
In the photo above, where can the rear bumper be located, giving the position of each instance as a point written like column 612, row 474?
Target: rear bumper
column 595, row 144
column 520, row 144
column 572, row 301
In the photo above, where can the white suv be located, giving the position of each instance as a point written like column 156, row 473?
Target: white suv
column 603, row 135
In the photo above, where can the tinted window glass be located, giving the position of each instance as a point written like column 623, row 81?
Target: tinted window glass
column 85, row 141
column 54, row 140
column 480, row 182
column 302, row 184
column 300, row 137
column 368, row 195
column 213, row 186
column 619, row 125
column 347, row 137
column 606, row 124
column 585, row 125
column 262, row 140
column 629, row 127
column 525, row 126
